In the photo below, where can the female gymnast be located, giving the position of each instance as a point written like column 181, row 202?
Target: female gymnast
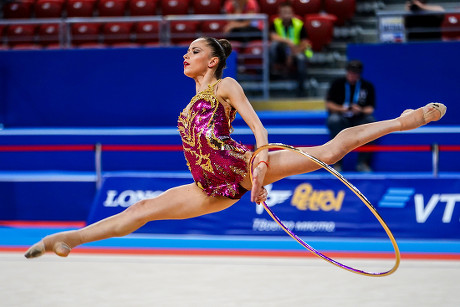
column 219, row 164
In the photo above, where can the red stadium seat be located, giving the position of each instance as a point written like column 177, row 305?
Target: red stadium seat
column 450, row 26
column 270, row 7
column 26, row 47
column 207, row 6
column 112, row 7
column 82, row 33
column 48, row 34
column 183, row 32
column 304, row 7
column 117, row 32
column 175, row 7
column 320, row 30
column 143, row 7
column 343, row 9
column 49, row 8
column 2, row 30
column 20, row 34
column 250, row 57
column 125, row 45
column 213, row 28
column 147, row 32
column 92, row 46
column 18, row 9
column 80, row 8
column 55, row 46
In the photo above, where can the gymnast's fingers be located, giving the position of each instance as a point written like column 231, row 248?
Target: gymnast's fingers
column 258, row 178
column 262, row 196
column 256, row 186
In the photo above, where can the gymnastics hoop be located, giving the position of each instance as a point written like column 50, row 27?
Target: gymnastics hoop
column 353, row 189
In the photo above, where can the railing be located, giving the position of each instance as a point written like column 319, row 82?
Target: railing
column 98, row 150
column 392, row 28
column 165, row 36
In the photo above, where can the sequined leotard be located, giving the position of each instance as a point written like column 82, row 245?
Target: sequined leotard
column 216, row 161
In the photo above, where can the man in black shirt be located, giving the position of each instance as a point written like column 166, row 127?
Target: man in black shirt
column 350, row 101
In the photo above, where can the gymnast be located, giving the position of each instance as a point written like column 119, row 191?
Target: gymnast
column 220, row 165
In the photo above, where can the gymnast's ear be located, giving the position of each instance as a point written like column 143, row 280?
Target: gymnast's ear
column 213, row 62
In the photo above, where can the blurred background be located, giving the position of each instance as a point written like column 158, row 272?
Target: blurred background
column 90, row 92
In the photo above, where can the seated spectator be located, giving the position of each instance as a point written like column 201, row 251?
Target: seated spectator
column 350, row 102
column 242, row 30
column 290, row 47
column 420, row 25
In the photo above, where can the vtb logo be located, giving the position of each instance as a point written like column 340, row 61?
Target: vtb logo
column 399, row 197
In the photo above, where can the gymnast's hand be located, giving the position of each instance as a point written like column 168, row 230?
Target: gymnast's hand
column 258, row 192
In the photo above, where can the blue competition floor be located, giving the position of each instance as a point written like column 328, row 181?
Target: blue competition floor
column 13, row 238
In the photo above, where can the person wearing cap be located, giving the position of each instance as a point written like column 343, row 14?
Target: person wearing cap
column 350, row 101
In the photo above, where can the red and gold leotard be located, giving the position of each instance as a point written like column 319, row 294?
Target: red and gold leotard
column 216, row 161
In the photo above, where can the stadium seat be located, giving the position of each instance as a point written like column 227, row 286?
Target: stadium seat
column 450, row 26
column 48, row 34
column 117, row 32
column 125, row 45
column 207, row 6
column 20, row 34
column 49, row 8
column 304, row 7
column 26, row 47
column 2, row 30
column 80, row 8
column 147, row 32
column 175, row 7
column 54, row 46
column 18, row 9
column 92, row 46
column 82, row 33
column 344, row 10
column 270, row 7
column 213, row 28
column 252, row 57
column 183, row 32
column 320, row 30
column 112, row 7
column 143, row 7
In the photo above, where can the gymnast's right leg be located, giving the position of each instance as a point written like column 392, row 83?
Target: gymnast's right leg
column 181, row 202
column 286, row 163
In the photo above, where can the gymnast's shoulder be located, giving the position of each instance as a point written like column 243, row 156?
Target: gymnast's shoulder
column 229, row 85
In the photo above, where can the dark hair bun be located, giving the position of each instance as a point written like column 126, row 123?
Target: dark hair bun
column 226, row 45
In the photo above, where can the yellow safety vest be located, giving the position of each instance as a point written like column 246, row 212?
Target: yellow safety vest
column 293, row 30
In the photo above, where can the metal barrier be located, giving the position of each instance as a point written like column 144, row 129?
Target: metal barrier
column 99, row 148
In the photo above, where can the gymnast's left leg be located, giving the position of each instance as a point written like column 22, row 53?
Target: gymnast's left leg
column 181, row 202
column 285, row 163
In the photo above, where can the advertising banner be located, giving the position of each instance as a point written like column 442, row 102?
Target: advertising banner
column 414, row 207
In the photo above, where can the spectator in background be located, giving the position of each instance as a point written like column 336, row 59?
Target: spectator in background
column 350, row 102
column 242, row 30
column 420, row 25
column 290, row 47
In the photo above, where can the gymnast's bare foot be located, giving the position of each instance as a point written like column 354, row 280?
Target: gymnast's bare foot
column 60, row 248
column 411, row 119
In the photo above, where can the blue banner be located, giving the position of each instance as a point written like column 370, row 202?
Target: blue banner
column 403, row 77
column 110, row 87
column 414, row 207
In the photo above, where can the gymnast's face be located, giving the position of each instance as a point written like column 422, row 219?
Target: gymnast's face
column 197, row 59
